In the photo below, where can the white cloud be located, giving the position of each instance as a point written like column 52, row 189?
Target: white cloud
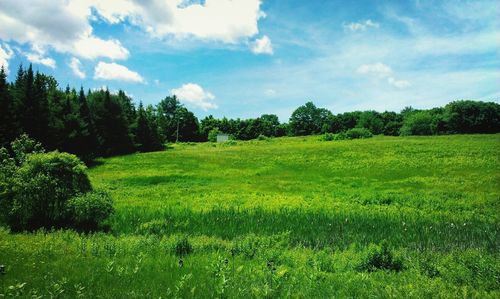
column 114, row 71
column 61, row 25
column 360, row 26
column 221, row 20
column 65, row 25
column 398, row 83
column 382, row 71
column 194, row 94
column 38, row 58
column 262, row 46
column 92, row 47
column 76, row 66
column 5, row 54
column 378, row 69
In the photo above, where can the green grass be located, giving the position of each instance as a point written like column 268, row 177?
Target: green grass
column 279, row 218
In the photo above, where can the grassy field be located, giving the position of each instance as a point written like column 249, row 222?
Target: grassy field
column 398, row 217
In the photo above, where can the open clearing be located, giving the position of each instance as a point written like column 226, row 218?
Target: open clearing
column 278, row 218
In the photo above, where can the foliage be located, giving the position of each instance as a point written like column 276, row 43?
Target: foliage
column 418, row 123
column 88, row 211
column 380, row 257
column 357, row 133
column 41, row 187
column 101, row 123
column 147, row 137
column 308, row 119
column 212, row 135
column 472, row 117
column 328, row 137
column 23, row 146
column 182, row 246
column 46, row 190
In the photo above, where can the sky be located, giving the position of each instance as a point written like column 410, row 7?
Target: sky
column 244, row 58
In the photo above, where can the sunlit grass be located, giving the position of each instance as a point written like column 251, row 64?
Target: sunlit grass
column 279, row 218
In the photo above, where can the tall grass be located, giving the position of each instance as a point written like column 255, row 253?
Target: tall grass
column 413, row 217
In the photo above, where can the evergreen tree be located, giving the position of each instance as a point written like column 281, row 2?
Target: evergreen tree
column 8, row 128
column 86, row 142
column 146, row 133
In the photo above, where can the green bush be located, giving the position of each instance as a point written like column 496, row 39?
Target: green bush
column 88, row 211
column 380, row 258
column 262, row 137
column 212, row 135
column 357, row 133
column 36, row 188
column 182, row 246
column 23, row 146
column 41, row 187
column 327, row 137
column 418, row 123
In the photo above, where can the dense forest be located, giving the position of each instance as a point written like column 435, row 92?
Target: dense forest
column 99, row 123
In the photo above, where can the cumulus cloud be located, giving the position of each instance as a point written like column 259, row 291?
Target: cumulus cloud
column 382, row 71
column 195, row 95
column 114, row 71
column 262, row 46
column 182, row 19
column 65, row 25
column 39, row 59
column 360, row 26
column 5, row 54
column 60, row 25
column 76, row 66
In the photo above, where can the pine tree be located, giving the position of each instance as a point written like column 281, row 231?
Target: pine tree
column 8, row 128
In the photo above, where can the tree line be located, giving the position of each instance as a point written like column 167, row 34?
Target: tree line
column 100, row 123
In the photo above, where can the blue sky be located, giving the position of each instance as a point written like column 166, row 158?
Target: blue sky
column 243, row 58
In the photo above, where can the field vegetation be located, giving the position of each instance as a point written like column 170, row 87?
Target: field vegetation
column 300, row 217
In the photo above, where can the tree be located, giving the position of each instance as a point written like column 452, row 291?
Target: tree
column 392, row 123
column 111, row 124
column 167, row 120
column 473, row 117
column 308, row 119
column 86, row 141
column 418, row 123
column 146, row 135
column 372, row 121
column 8, row 127
column 270, row 124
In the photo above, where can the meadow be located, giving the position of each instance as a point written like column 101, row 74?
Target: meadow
column 385, row 217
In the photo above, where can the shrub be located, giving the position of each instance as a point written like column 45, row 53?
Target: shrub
column 90, row 210
column 23, row 146
column 212, row 135
column 41, row 187
column 418, row 123
column 327, row 137
column 357, row 133
column 262, row 137
column 380, row 258
column 182, row 246
column 36, row 188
